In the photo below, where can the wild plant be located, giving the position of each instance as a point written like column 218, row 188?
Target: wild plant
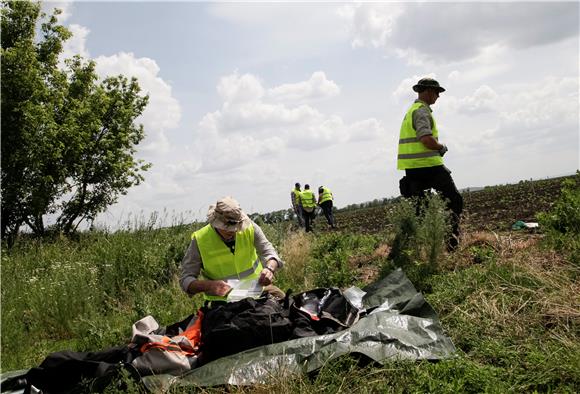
column 562, row 223
column 421, row 228
column 295, row 252
column 331, row 258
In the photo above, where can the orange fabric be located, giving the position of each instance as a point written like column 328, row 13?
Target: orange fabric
column 193, row 334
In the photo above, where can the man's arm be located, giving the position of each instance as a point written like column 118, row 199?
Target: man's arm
column 268, row 255
column 430, row 143
column 423, row 125
column 190, row 270
column 210, row 287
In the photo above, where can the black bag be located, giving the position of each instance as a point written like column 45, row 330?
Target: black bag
column 233, row 327
column 405, row 187
column 76, row 372
column 321, row 311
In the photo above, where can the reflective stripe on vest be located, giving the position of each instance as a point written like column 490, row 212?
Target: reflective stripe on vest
column 307, row 199
column 325, row 196
column 219, row 263
column 412, row 153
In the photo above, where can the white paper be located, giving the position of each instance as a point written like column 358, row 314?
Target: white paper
column 243, row 289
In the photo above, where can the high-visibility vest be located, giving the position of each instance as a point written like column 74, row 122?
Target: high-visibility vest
column 412, row 152
column 219, row 263
column 325, row 196
column 296, row 193
column 307, row 199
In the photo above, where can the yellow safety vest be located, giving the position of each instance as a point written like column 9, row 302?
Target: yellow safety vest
column 219, row 263
column 325, row 196
column 412, row 152
column 296, row 193
column 307, row 199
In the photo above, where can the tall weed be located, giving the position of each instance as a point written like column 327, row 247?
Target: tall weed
column 331, row 254
column 295, row 252
column 86, row 294
column 421, row 228
column 562, row 223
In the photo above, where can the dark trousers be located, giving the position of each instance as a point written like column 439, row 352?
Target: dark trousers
column 327, row 210
column 299, row 217
column 308, row 219
column 418, row 180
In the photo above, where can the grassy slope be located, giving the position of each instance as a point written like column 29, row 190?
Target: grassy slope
column 511, row 306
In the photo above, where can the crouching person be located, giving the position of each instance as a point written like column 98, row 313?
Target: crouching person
column 231, row 246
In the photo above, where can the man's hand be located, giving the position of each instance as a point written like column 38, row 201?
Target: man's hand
column 443, row 150
column 266, row 277
column 218, row 288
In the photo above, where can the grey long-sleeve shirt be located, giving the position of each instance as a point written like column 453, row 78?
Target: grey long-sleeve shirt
column 423, row 120
column 192, row 263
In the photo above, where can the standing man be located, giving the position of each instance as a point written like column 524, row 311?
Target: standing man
column 295, row 198
column 325, row 199
column 421, row 155
column 308, row 203
column 231, row 246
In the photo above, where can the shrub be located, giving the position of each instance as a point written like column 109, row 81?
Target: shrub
column 331, row 254
column 562, row 223
column 421, row 228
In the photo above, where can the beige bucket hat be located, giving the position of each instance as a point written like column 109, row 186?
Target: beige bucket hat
column 227, row 215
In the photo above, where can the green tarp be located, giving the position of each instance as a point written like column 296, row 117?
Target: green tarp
column 402, row 325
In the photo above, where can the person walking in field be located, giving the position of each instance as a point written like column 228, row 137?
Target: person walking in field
column 325, row 201
column 295, row 198
column 230, row 246
column 420, row 154
column 308, row 203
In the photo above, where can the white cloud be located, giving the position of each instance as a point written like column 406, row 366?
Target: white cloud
column 448, row 32
column 252, row 124
column 235, row 88
column 76, row 45
column 66, row 8
column 367, row 129
column 483, row 100
column 546, row 105
column 371, row 25
column 536, row 116
column 404, row 91
column 317, row 87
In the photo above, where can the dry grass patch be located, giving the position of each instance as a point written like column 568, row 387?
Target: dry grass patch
column 528, row 287
column 295, row 251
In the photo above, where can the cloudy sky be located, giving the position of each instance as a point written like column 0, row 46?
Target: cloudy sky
column 248, row 98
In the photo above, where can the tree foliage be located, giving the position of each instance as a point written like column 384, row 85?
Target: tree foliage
column 68, row 138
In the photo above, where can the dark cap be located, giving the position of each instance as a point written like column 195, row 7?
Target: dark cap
column 427, row 83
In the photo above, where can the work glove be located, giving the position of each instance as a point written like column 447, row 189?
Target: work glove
column 443, row 150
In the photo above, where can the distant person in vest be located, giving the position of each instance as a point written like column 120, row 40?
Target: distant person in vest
column 231, row 246
column 325, row 199
column 421, row 155
column 295, row 198
column 308, row 203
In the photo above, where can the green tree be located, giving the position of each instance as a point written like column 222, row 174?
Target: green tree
column 68, row 139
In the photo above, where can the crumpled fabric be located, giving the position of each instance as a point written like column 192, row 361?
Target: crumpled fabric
column 399, row 324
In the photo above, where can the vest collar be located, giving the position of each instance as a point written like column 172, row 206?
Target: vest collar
column 425, row 104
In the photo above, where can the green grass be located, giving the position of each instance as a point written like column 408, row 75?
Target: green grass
column 509, row 301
